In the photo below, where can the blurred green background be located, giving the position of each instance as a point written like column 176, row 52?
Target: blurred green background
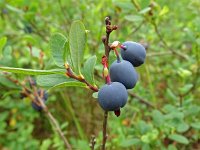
column 169, row 79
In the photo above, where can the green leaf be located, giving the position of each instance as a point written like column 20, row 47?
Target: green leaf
column 88, row 71
column 7, row 53
column 30, row 39
column 130, row 142
column 57, row 46
column 164, row 11
column 57, row 80
column 185, row 88
column 150, row 136
column 69, row 83
column 3, row 41
column 179, row 138
column 158, row 118
column 32, row 71
column 77, row 41
column 183, row 127
column 7, row 83
column 145, row 10
column 196, row 125
column 12, row 92
column 171, row 95
column 171, row 147
column 45, row 144
column 146, row 146
column 14, row 9
column 143, row 127
column 134, row 18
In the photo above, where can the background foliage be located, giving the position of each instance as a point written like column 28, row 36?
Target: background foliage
column 169, row 79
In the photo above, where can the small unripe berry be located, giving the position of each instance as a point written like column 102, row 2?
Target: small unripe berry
column 123, row 72
column 105, row 72
column 133, row 52
column 112, row 97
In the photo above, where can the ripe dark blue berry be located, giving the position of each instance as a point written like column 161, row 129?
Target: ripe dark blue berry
column 123, row 72
column 35, row 106
column 112, row 97
column 133, row 52
column 44, row 96
column 28, row 29
column 4, row 11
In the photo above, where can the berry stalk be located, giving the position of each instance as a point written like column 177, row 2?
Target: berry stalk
column 80, row 78
column 117, row 55
column 105, row 40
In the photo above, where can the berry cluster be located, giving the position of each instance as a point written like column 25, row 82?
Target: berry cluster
column 113, row 95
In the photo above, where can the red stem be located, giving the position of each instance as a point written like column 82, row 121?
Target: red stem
column 108, row 81
column 117, row 55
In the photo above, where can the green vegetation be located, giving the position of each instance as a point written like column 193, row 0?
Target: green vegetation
column 47, row 40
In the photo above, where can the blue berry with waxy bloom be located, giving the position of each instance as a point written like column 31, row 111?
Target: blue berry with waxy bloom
column 123, row 72
column 44, row 96
column 113, row 96
column 133, row 52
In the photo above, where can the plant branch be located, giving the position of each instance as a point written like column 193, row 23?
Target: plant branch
column 135, row 3
column 104, row 130
column 39, row 102
column 105, row 40
column 80, row 78
column 142, row 100
column 25, row 90
column 159, row 54
column 165, row 43
column 57, row 128
column 52, row 120
column 137, row 28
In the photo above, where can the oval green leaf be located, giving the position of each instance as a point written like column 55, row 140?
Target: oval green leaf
column 179, row 138
column 88, row 71
column 57, row 47
column 57, row 80
column 77, row 42
column 32, row 71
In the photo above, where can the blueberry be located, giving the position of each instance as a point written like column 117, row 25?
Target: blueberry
column 4, row 11
column 123, row 72
column 28, row 29
column 35, row 106
column 44, row 96
column 112, row 96
column 133, row 52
